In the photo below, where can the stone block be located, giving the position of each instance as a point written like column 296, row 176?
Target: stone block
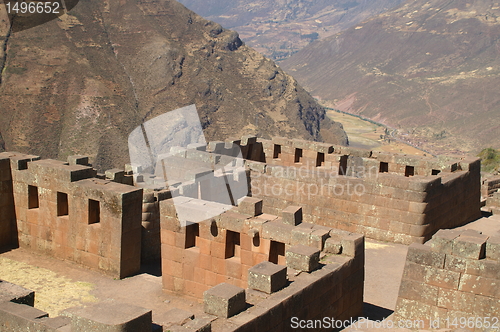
column 173, row 316
column 55, row 323
column 418, row 291
column 302, row 258
column 333, row 245
column 216, row 146
column 250, row 205
column 277, row 231
column 301, row 234
column 442, row 241
column 441, row 278
column 479, row 285
column 224, row 300
column 232, row 221
column 14, row 293
column 472, row 247
column 248, row 139
column 353, row 244
column 423, row 254
column 110, row 316
column 197, row 146
column 318, row 237
column 78, row 160
column 199, row 325
column 267, row 277
column 411, row 309
column 450, row 299
column 493, row 248
column 292, row 215
column 16, row 317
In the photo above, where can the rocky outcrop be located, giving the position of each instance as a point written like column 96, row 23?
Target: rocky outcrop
column 81, row 83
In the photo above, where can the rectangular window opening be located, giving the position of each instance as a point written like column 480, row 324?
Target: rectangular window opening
column 277, row 151
column 232, row 244
column 298, row 155
column 94, row 212
column 62, row 204
column 320, row 159
column 384, row 167
column 277, row 253
column 409, row 171
column 435, row 172
column 192, row 232
column 33, row 201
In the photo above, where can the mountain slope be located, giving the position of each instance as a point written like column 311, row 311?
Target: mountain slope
column 429, row 68
column 277, row 29
column 80, row 84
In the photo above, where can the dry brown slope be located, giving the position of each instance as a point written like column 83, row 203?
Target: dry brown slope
column 80, row 84
column 279, row 28
column 432, row 67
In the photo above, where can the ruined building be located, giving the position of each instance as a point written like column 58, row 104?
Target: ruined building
column 296, row 237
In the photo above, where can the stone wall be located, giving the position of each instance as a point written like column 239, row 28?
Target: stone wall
column 454, row 276
column 489, row 185
column 63, row 211
column 17, row 314
column 493, row 203
column 223, row 249
column 335, row 290
column 8, row 227
column 386, row 197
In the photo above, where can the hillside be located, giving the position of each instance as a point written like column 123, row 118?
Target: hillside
column 81, row 83
column 428, row 68
column 279, row 28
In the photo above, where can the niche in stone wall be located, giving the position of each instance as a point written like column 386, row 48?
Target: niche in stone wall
column 343, row 165
column 192, row 233
column 384, row 167
column 320, row 159
column 94, row 212
column 33, row 202
column 298, row 155
column 277, row 253
column 409, row 171
column 277, row 151
column 233, row 248
column 62, row 204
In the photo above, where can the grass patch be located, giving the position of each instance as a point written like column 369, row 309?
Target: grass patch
column 490, row 160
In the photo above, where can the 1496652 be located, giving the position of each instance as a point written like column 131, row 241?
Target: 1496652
column 33, row 7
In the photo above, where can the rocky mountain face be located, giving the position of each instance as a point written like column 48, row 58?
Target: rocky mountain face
column 279, row 28
column 81, row 83
column 429, row 68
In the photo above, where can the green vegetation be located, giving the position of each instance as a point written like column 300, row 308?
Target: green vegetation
column 490, row 159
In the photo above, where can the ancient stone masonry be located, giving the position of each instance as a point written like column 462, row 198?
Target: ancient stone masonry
column 17, row 314
column 493, row 202
column 258, row 230
column 62, row 210
column 218, row 258
column 489, row 186
column 387, row 197
column 454, row 276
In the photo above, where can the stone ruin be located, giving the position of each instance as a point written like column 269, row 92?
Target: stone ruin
column 297, row 240
column 453, row 277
